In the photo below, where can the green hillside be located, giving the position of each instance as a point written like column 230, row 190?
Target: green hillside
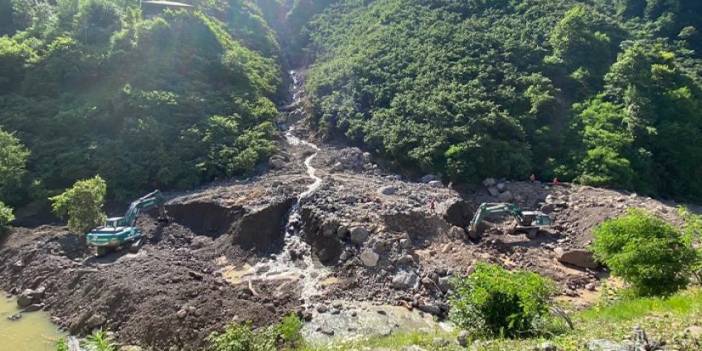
column 603, row 92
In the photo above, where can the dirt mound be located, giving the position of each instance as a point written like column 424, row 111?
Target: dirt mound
column 204, row 218
column 263, row 229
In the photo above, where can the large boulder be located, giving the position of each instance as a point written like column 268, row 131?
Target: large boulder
column 456, row 211
column 577, row 257
column 387, row 190
column 428, row 178
column 29, row 297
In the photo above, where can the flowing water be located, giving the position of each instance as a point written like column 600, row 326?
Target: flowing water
column 33, row 332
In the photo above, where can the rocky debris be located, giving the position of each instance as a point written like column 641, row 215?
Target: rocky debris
column 277, row 162
column 456, row 211
column 435, row 184
column 350, row 159
column 204, row 217
column 14, row 317
column 576, row 257
column 34, row 307
column 493, row 191
column 546, row 346
column 488, row 182
column 369, row 258
column 456, row 233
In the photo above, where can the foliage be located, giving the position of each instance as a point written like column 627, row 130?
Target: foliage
column 6, row 216
column 645, row 251
column 601, row 93
column 99, row 340
column 62, row 345
column 242, row 337
column 13, row 158
column 82, row 204
column 96, row 87
column 500, row 302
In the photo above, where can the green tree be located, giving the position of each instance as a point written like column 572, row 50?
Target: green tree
column 648, row 253
column 13, row 159
column 82, row 204
column 500, row 302
column 6, row 216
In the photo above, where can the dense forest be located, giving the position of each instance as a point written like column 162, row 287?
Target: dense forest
column 603, row 92
column 159, row 98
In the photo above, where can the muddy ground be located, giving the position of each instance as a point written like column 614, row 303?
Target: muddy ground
column 363, row 235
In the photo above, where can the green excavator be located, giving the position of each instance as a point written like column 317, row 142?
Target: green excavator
column 119, row 231
column 528, row 222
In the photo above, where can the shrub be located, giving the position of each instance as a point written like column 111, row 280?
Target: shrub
column 62, row 345
column 648, row 253
column 82, row 204
column 6, row 216
column 99, row 340
column 499, row 301
column 242, row 337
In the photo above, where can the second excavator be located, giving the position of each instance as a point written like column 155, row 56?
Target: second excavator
column 528, row 222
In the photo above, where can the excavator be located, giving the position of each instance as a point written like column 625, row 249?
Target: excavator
column 119, row 231
column 529, row 222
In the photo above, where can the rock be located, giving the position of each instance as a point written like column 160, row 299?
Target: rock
column 405, row 280
column 445, row 284
column 440, row 342
column 34, row 307
column 369, row 258
column 488, row 182
column 546, row 346
column 405, row 243
column 29, row 296
column 463, row 337
column 493, row 191
column 501, row 187
column 200, row 241
column 387, row 190
column 277, row 163
column 577, row 257
column 322, row 308
column 14, row 317
column 456, row 211
column 95, row 321
column 606, row 345
column 359, row 235
column 436, row 184
column 182, row 313
column 591, row 286
column 456, row 233
column 430, row 308
column 694, row 332
column 429, row 178
column 505, row 197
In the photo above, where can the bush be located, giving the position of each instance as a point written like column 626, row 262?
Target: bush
column 242, row 337
column 499, row 301
column 99, row 340
column 82, row 204
column 648, row 253
column 6, row 216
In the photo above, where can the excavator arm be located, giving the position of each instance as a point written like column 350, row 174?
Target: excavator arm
column 144, row 203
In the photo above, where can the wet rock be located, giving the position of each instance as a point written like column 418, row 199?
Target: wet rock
column 387, row 190
column 34, row 307
column 577, row 257
column 359, row 235
column 30, row 296
column 405, row 280
column 14, row 317
column 369, row 258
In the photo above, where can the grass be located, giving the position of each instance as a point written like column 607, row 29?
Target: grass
column 661, row 318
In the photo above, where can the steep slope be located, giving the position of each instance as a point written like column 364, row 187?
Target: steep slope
column 585, row 90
